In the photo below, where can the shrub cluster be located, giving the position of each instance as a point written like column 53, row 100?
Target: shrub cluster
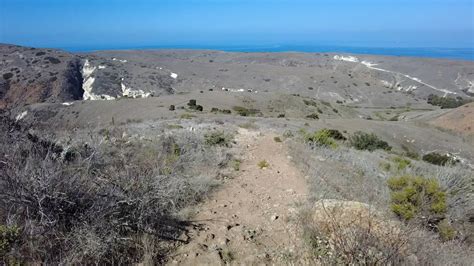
column 223, row 111
column 368, row 141
column 446, row 102
column 242, row 111
column 313, row 116
column 193, row 106
column 218, row 138
column 439, row 159
column 416, row 195
column 325, row 137
column 107, row 203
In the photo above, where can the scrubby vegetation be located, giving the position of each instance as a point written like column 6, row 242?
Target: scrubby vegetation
column 446, row 102
column 313, row 116
column 102, row 202
column 415, row 195
column 324, row 137
column 368, row 141
column 263, row 164
column 242, row 111
column 437, row 208
column 218, row 138
column 439, row 159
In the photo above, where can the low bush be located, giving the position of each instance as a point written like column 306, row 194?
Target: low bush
column 186, row 116
column 277, row 139
column 413, row 196
column 324, row 137
column 218, row 138
column 402, row 163
column 368, row 141
column 7, row 76
column 310, row 103
column 439, row 159
column 242, row 111
column 446, row 102
column 9, row 235
column 236, row 164
column 313, row 116
column 192, row 104
column 52, row 60
column 100, row 206
column 263, row 164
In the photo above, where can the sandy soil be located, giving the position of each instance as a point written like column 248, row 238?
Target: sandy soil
column 460, row 119
column 250, row 219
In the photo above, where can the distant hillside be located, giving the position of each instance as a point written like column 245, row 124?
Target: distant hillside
column 29, row 75
column 460, row 119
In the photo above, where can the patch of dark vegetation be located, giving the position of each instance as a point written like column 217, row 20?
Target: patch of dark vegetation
column 325, row 137
column 218, row 138
column 242, row 111
column 223, row 111
column 105, row 203
column 439, row 159
column 368, row 141
column 446, row 102
column 310, row 103
column 7, row 76
column 52, row 60
column 313, row 116
column 172, row 108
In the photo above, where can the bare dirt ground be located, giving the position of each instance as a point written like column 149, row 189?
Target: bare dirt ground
column 251, row 218
column 460, row 119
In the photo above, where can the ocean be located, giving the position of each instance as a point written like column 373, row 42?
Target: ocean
column 444, row 53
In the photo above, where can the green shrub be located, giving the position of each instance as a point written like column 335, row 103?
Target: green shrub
column 446, row 102
column 310, row 103
column 8, row 236
column 192, row 103
column 323, row 137
column 218, row 138
column 313, row 116
column 438, row 159
column 413, row 195
column 446, row 231
column 242, row 111
column 172, row 108
column 187, row 116
column 199, row 108
column 402, row 163
column 368, row 141
column 236, row 164
column 263, row 164
column 277, row 139
column 385, row 166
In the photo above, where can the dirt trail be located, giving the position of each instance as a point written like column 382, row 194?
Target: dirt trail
column 250, row 219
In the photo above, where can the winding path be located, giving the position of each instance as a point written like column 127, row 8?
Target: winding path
column 250, row 219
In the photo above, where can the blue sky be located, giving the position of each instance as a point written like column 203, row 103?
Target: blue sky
column 136, row 23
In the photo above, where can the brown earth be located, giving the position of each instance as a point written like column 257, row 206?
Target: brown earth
column 251, row 218
column 460, row 119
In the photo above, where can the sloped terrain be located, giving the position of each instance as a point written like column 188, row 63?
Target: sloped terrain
column 188, row 157
column 460, row 119
column 30, row 75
